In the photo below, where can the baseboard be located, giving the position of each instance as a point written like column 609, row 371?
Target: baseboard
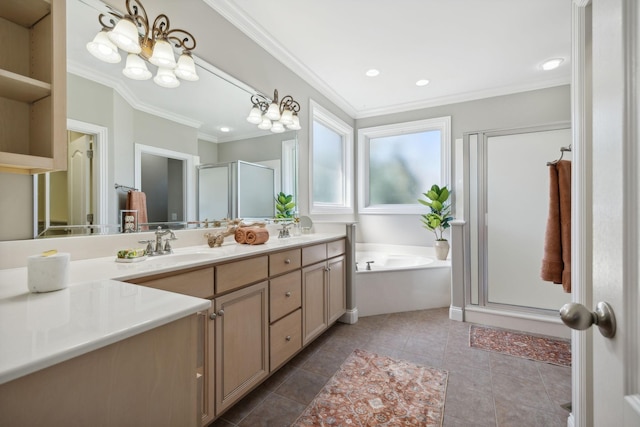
column 456, row 313
column 350, row 317
column 525, row 322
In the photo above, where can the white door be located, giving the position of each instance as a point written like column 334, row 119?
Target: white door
column 615, row 389
column 79, row 179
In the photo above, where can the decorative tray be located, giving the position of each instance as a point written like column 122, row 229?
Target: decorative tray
column 131, row 255
column 129, row 260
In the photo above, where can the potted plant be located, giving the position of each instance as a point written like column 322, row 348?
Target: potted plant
column 439, row 218
column 284, row 205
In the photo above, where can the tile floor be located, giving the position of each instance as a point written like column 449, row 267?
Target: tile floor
column 484, row 389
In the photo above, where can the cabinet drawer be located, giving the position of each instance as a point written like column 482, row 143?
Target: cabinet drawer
column 240, row 273
column 196, row 283
column 313, row 254
column 284, row 261
column 286, row 338
column 335, row 248
column 285, row 294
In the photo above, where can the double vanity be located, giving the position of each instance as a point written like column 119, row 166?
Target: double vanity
column 173, row 340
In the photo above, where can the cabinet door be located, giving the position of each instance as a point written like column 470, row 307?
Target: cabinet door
column 314, row 306
column 337, row 289
column 242, row 356
column 206, row 369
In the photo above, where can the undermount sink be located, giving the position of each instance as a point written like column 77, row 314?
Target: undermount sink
column 183, row 257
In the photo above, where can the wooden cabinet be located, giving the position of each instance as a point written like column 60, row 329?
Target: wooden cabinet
column 206, row 372
column 285, row 338
column 337, row 299
column 33, row 86
column 265, row 309
column 144, row 380
column 285, row 314
column 242, row 340
column 282, row 262
column 314, row 302
column 237, row 274
column 196, row 283
column 323, row 288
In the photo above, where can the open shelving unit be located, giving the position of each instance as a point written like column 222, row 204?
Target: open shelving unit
column 33, row 86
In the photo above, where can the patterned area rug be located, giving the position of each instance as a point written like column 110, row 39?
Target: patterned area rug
column 543, row 349
column 372, row 390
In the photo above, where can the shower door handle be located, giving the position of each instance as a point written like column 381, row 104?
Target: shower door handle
column 577, row 316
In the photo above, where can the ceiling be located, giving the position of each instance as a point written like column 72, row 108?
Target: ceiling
column 467, row 49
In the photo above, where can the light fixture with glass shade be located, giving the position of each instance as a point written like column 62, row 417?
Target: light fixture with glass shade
column 273, row 115
column 145, row 43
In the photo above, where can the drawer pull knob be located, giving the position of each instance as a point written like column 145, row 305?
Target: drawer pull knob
column 213, row 316
column 287, row 294
column 221, row 313
column 287, row 261
column 288, row 338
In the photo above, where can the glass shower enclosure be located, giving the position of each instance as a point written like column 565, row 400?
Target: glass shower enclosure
column 235, row 189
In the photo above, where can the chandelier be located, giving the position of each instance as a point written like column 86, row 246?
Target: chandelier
column 152, row 45
column 274, row 116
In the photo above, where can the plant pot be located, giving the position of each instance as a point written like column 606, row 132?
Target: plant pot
column 442, row 249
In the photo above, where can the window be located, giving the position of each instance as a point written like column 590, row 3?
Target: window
column 331, row 172
column 399, row 162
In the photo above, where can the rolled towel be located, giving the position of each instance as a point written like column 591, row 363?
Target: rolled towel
column 241, row 235
column 257, row 236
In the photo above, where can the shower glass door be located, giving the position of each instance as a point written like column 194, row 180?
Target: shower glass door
column 508, row 199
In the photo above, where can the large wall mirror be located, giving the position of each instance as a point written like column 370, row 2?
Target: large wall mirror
column 204, row 121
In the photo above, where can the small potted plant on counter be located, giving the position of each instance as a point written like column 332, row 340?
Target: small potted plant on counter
column 439, row 218
column 285, row 205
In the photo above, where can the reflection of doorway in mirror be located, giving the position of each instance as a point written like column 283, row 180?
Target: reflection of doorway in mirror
column 58, row 193
column 167, row 178
column 79, row 178
column 66, row 197
column 163, row 185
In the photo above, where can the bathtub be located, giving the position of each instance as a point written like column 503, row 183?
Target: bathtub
column 400, row 278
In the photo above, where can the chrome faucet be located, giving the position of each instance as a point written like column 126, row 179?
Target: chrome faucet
column 284, row 231
column 159, row 248
column 166, row 249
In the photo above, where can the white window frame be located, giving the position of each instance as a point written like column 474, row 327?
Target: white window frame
column 328, row 119
column 443, row 124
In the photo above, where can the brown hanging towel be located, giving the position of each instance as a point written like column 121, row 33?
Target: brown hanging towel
column 137, row 200
column 556, row 261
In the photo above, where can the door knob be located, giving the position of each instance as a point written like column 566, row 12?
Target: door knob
column 577, row 316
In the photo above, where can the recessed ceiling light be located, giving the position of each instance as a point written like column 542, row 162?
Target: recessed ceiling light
column 224, row 129
column 372, row 72
column 552, row 64
column 422, row 82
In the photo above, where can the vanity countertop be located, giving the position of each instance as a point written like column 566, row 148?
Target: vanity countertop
column 40, row 330
column 98, row 309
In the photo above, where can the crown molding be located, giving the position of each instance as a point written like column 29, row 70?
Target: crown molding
column 236, row 16
column 207, row 137
column 463, row 97
column 78, row 69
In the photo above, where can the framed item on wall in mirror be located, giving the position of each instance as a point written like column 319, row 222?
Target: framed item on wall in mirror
column 128, row 221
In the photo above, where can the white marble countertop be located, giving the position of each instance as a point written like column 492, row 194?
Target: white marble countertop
column 40, row 330
column 97, row 309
